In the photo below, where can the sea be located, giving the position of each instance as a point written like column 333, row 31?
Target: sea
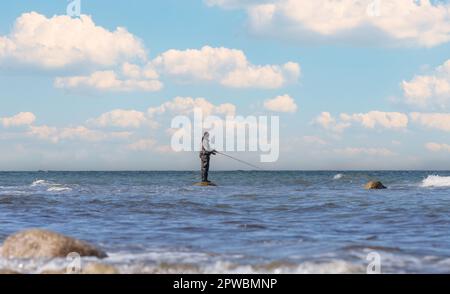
column 278, row 222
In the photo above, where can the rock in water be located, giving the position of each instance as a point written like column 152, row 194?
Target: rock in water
column 45, row 244
column 375, row 186
column 94, row 268
column 205, row 184
column 8, row 272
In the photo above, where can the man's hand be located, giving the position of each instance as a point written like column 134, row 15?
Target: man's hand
column 214, row 152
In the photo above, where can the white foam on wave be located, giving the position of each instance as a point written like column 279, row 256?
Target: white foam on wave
column 39, row 183
column 338, row 177
column 436, row 181
column 160, row 262
column 59, row 189
column 170, row 262
column 51, row 187
column 158, row 266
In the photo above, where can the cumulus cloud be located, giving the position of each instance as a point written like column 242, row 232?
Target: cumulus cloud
column 62, row 41
column 186, row 105
column 109, row 81
column 372, row 119
column 44, row 133
column 436, row 147
column 439, row 121
column 120, row 118
column 328, row 122
column 396, row 22
column 119, row 61
column 79, row 133
column 431, row 90
column 364, row 151
column 20, row 119
column 228, row 67
column 135, row 71
column 284, row 103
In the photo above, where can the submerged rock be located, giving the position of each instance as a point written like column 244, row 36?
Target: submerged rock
column 95, row 268
column 54, row 272
column 45, row 244
column 205, row 184
column 374, row 186
column 8, row 272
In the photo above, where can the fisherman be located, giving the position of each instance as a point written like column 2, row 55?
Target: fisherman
column 205, row 156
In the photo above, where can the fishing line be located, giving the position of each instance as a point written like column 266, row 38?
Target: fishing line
column 241, row 161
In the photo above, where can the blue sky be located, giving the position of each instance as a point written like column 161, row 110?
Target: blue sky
column 372, row 93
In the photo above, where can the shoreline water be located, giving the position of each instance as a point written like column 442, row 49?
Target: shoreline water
column 261, row 222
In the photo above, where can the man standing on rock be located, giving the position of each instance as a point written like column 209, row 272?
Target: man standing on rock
column 205, row 156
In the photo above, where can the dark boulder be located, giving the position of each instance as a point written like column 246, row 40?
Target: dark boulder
column 375, row 186
column 45, row 244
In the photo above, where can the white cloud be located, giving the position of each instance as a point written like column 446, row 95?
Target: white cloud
column 440, row 121
column 135, row 71
column 328, row 122
column 186, row 105
column 229, row 67
column 109, row 81
column 364, row 151
column 429, row 90
column 396, row 22
column 62, row 41
column 20, row 119
column 132, row 119
column 44, row 133
column 436, row 147
column 372, row 119
column 284, row 103
column 79, row 133
column 120, row 118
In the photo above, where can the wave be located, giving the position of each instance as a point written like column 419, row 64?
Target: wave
column 39, row 183
column 175, row 267
column 51, row 187
column 338, row 177
column 187, row 262
column 226, row 267
column 59, row 189
column 176, row 262
column 436, row 181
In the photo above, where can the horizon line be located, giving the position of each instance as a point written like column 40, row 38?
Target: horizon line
column 239, row 170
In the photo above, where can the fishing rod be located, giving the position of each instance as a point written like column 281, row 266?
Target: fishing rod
column 241, row 161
